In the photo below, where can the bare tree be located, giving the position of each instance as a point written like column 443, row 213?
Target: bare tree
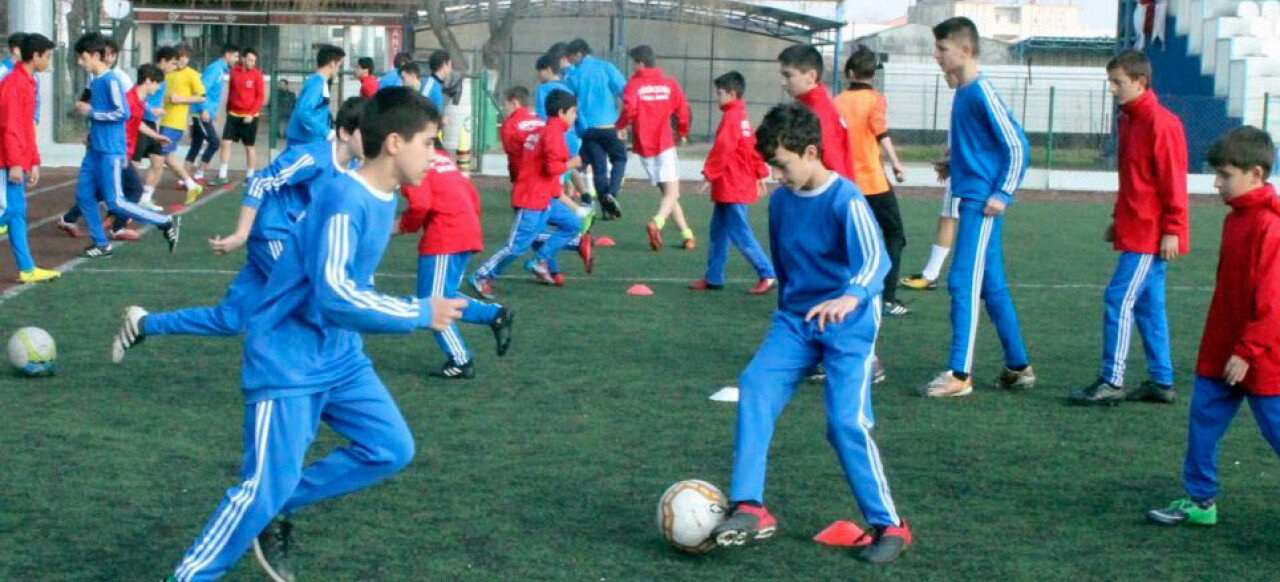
column 440, row 28
column 495, row 49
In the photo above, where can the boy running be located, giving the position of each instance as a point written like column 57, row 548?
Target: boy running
column 183, row 89
column 831, row 265
column 734, row 173
column 1240, row 349
column 304, row 362
column 988, row 161
column 19, row 152
column 649, row 101
column 311, row 120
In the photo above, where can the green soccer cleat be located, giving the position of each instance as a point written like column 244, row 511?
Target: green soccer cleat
column 1185, row 511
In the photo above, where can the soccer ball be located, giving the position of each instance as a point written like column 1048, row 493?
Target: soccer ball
column 687, row 513
column 32, row 352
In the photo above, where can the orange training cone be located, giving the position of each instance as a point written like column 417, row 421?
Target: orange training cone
column 640, row 290
column 605, row 241
column 840, row 533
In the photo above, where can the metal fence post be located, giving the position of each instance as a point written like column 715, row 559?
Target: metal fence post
column 1266, row 110
column 273, row 109
column 935, row 103
column 1048, row 153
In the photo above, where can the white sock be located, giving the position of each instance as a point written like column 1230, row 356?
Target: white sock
column 191, row 183
column 222, row 172
column 937, row 256
column 147, row 192
column 249, row 174
column 199, row 174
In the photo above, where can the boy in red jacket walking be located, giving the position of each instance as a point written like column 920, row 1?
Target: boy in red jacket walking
column 19, row 156
column 516, row 129
column 1149, row 229
column 1240, row 350
column 245, row 96
column 446, row 206
column 734, row 171
column 649, row 101
column 537, row 201
column 801, row 69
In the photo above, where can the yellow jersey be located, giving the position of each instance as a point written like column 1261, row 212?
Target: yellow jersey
column 184, row 82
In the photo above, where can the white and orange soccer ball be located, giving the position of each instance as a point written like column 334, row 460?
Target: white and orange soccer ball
column 687, row 513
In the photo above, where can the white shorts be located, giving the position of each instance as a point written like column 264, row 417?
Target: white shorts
column 663, row 167
column 950, row 204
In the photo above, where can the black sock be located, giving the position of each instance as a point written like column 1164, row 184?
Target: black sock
column 749, row 503
column 1018, row 368
column 961, row 376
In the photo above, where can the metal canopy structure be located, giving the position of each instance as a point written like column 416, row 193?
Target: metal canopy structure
column 1100, row 45
column 749, row 18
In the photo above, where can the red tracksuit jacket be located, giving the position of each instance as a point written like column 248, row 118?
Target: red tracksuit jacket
column 448, row 205
column 515, row 132
column 1153, row 178
column 733, row 167
column 246, row 92
column 1244, row 316
column 17, row 120
column 368, row 86
column 136, row 111
column 835, row 154
column 648, row 102
column 545, row 158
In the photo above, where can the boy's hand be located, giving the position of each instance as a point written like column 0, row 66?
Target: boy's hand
column 158, row 112
column 445, row 311
column 704, row 188
column 33, row 177
column 574, row 162
column 942, row 168
column 898, row 173
column 223, row 246
column 1109, row 235
column 832, row 310
column 164, row 140
column 622, row 134
column 684, row 140
column 204, row 116
column 762, row 188
column 82, row 108
column 1169, row 247
column 15, row 175
column 1235, row 371
column 994, row 207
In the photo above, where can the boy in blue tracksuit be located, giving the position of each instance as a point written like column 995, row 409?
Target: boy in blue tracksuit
column 204, row 131
column 598, row 85
column 104, row 162
column 310, row 121
column 830, row 262
column 303, row 358
column 392, row 78
column 988, row 161
column 273, row 202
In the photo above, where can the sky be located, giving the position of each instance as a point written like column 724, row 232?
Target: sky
column 1093, row 13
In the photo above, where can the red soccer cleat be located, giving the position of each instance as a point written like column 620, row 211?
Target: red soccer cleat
column 124, row 234
column 655, row 236
column 557, row 280
column 884, row 543
column 587, row 252
column 72, row 230
column 689, row 244
column 703, row 285
column 746, row 524
column 763, row 286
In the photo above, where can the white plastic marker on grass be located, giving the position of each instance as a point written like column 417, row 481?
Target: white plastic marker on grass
column 726, row 394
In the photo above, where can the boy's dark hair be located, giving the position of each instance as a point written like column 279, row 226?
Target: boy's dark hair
column 731, row 82
column 1134, row 64
column 184, row 50
column 577, row 46
column 92, row 43
column 249, row 51
column 398, row 110
column 792, row 127
column 559, row 100
column 438, row 58
column 411, row 67
column 1243, row 147
column 547, row 62
column 166, row 53
column 349, row 114
column 228, row 48
column 862, row 64
column 519, row 94
column 112, row 46
column 35, row 44
column 150, row 72
column 15, row 40
column 365, row 63
column 558, row 50
column 958, row 28
column 402, row 58
column 803, row 58
column 642, row 54
column 328, row 54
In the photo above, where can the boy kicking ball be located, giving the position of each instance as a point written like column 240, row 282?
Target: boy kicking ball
column 831, row 265
column 1238, row 352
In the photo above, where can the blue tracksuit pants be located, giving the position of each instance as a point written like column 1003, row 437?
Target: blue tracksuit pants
column 790, row 349
column 977, row 273
column 439, row 276
column 231, row 316
column 528, row 224
column 729, row 225
column 100, row 181
column 1136, row 295
column 277, row 434
column 130, row 184
column 1213, row 407
column 15, row 216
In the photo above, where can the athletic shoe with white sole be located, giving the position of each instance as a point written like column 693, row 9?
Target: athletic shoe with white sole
column 1185, row 511
column 131, row 333
column 171, row 232
column 96, row 252
column 271, row 548
column 1010, row 379
column 454, row 371
column 746, row 524
column 946, row 385
column 918, row 282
